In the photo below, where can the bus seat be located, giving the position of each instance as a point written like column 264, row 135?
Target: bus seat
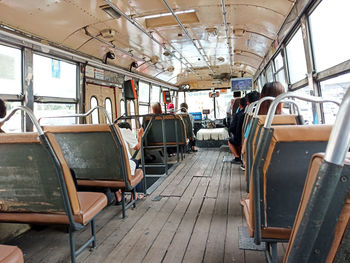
column 335, row 236
column 254, row 135
column 155, row 136
column 284, row 170
column 10, row 254
column 31, row 188
column 98, row 158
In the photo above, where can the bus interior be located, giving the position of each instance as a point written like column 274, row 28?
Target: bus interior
column 174, row 131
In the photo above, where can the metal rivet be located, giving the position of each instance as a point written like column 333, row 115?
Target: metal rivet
column 317, row 251
column 343, row 179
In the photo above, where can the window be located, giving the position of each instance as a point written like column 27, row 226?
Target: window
column 155, row 94
column 296, row 58
column 54, row 78
column 278, row 62
column 11, row 69
column 143, row 92
column 94, row 115
column 305, row 108
column 108, row 105
column 199, row 100
column 180, row 98
column 334, row 89
column 143, row 109
column 132, row 112
column 15, row 123
column 221, row 103
column 280, row 77
column 55, row 109
column 329, row 27
column 122, row 107
column 269, row 74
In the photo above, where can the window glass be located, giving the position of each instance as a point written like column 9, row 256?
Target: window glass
column 15, row 123
column 278, row 61
column 53, row 78
column 155, row 94
column 10, row 73
column 282, row 78
column 305, row 107
column 199, row 100
column 180, row 98
column 122, row 107
column 94, row 115
column 54, row 109
column 329, row 26
column 296, row 58
column 269, row 74
column 132, row 112
column 334, row 89
column 143, row 109
column 143, row 92
column 108, row 104
column 222, row 102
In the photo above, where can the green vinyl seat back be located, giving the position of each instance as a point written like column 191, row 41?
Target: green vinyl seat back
column 28, row 176
column 173, row 125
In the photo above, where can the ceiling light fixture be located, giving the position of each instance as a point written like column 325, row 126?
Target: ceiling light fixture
column 111, row 12
column 169, row 14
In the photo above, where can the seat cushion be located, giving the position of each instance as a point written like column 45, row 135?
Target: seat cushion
column 10, row 254
column 266, row 232
column 90, row 205
column 134, row 180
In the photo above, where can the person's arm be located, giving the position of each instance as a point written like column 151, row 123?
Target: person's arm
column 139, row 137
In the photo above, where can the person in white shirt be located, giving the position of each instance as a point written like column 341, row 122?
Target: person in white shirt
column 132, row 142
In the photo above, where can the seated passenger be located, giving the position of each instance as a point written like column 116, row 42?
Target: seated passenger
column 171, row 108
column 235, row 142
column 2, row 112
column 132, row 142
column 157, row 108
column 270, row 89
column 192, row 143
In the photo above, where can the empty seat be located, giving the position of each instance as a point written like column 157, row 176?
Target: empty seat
column 280, row 168
column 332, row 241
column 97, row 155
column 37, row 187
column 10, row 254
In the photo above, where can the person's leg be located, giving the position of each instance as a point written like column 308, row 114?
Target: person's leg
column 138, row 187
column 232, row 148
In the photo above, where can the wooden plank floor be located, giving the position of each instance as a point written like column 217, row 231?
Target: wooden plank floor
column 195, row 218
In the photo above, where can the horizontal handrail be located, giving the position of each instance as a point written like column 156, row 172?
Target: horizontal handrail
column 280, row 98
column 339, row 141
column 28, row 112
column 129, row 117
column 258, row 104
column 82, row 115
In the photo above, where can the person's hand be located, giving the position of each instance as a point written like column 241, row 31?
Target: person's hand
column 140, row 132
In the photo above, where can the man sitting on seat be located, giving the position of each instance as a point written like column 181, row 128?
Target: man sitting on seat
column 132, row 142
column 235, row 142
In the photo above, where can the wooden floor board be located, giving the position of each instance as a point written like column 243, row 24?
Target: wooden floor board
column 195, row 218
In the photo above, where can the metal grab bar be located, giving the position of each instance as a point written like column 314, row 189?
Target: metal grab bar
column 292, row 102
column 257, row 108
column 339, row 140
column 28, row 112
column 280, row 98
column 258, row 104
column 129, row 117
column 82, row 114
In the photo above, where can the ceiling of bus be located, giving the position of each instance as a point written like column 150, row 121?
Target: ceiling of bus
column 79, row 25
